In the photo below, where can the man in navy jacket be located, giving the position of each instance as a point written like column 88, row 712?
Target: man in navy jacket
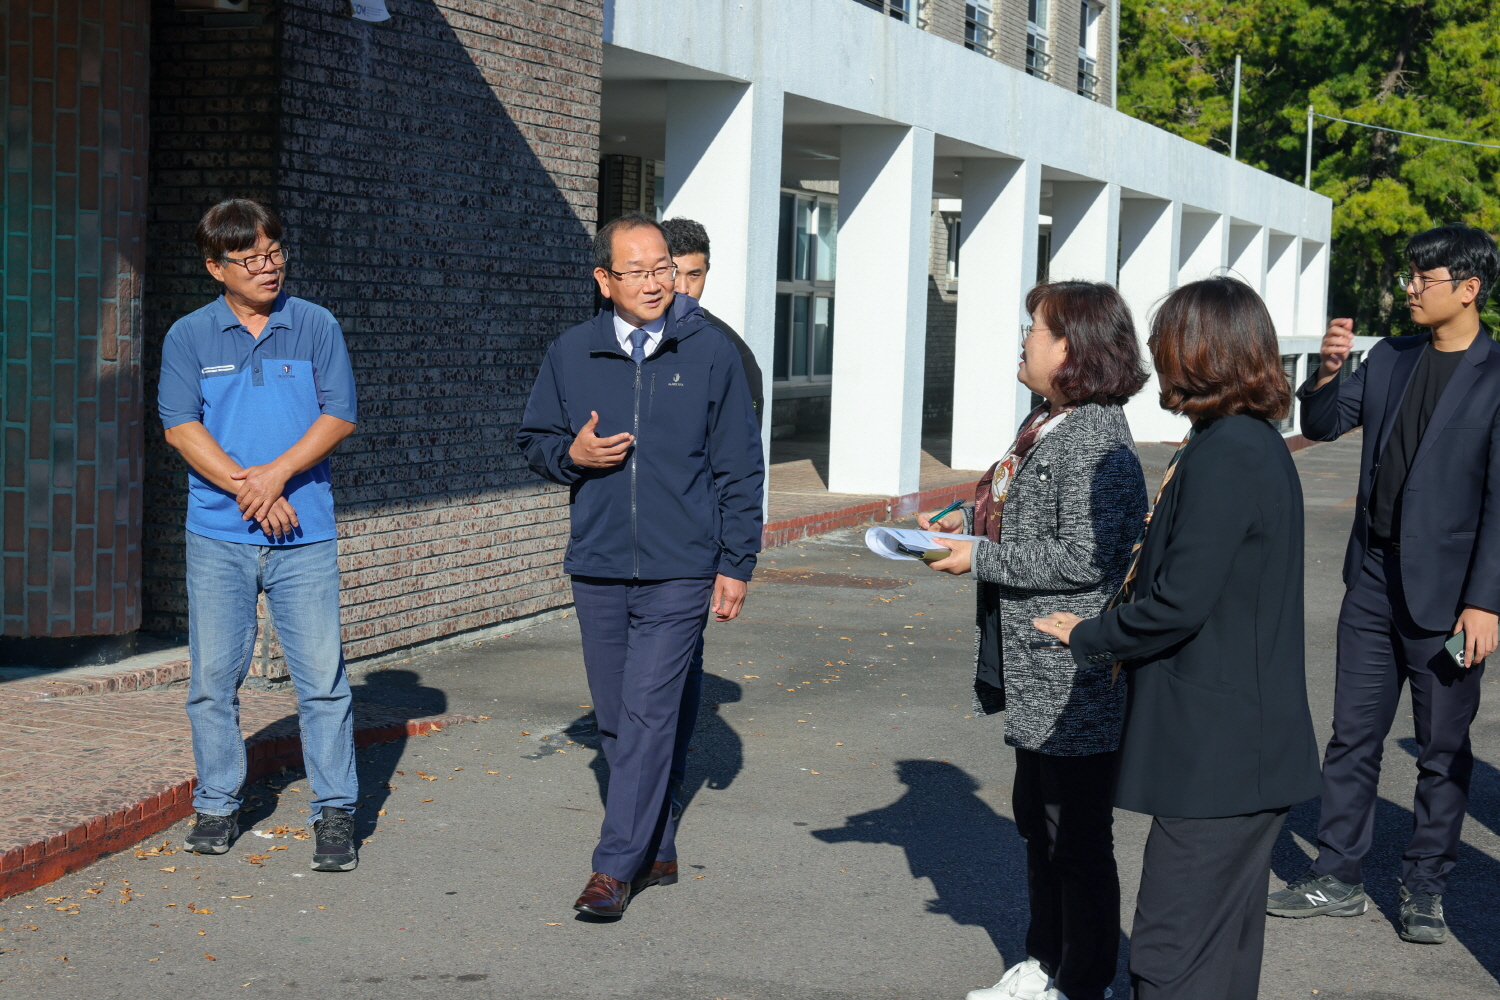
column 1423, row 564
column 645, row 413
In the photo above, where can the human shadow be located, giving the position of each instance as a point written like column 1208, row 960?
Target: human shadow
column 1474, row 884
column 384, row 702
column 716, row 753
column 974, row 857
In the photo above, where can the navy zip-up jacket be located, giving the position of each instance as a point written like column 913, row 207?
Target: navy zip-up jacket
column 686, row 502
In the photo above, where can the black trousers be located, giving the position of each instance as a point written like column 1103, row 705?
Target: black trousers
column 1380, row 649
column 1200, row 917
column 1064, row 808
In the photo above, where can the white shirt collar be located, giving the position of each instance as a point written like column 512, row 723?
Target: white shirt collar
column 654, row 329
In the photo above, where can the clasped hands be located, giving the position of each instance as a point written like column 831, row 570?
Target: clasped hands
column 260, row 500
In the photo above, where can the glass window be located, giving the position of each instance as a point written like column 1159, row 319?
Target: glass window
column 823, row 336
column 784, row 248
column 799, row 334
column 802, row 248
column 828, row 239
column 781, row 363
column 1038, row 58
column 979, row 27
column 1088, row 50
column 807, row 265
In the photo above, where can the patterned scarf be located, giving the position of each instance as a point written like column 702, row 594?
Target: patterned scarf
column 989, row 494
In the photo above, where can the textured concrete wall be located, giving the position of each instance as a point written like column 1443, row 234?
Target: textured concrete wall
column 436, row 173
column 75, row 82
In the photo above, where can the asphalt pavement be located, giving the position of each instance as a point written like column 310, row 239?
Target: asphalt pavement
column 848, row 834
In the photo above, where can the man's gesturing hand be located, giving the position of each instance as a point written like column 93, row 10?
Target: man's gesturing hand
column 729, row 597
column 596, row 452
column 1337, row 343
column 1481, row 631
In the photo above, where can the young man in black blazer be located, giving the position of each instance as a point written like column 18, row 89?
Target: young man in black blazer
column 1423, row 564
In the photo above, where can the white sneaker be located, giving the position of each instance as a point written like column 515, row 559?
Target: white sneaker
column 1023, row 981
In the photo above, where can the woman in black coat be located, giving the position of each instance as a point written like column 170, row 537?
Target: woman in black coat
column 1218, row 740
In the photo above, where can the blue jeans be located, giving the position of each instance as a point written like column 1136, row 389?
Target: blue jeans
column 301, row 583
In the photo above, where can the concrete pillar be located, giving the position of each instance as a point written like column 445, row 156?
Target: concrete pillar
column 1203, row 245
column 76, row 184
column 1085, row 231
column 885, row 206
column 1149, row 231
column 1281, row 282
column 1312, row 291
column 723, row 149
column 997, row 266
column 1247, row 253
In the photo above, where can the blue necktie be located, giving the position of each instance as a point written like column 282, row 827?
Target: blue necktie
column 638, row 345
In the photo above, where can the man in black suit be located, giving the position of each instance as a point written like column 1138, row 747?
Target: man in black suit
column 1423, row 564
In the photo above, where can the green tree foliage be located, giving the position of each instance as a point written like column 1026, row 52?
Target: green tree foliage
column 1426, row 66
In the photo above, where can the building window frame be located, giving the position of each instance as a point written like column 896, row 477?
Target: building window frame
column 979, row 27
column 806, row 264
column 1038, row 49
column 901, row 10
column 1090, row 15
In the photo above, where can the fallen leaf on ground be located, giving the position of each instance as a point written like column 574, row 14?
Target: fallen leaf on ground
column 209, row 957
column 280, row 847
column 550, row 924
column 487, row 772
column 172, row 869
column 381, row 812
column 257, row 859
column 56, row 899
column 426, row 800
column 242, row 897
column 697, row 877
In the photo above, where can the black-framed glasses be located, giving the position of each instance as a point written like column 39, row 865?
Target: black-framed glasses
column 1406, row 279
column 258, row 262
column 666, row 275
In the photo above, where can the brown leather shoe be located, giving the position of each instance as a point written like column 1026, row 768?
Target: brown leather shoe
column 660, row 873
column 604, row 897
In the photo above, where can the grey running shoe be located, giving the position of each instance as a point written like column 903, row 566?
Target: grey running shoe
column 1422, row 917
column 1318, row 895
column 333, row 834
column 212, row 834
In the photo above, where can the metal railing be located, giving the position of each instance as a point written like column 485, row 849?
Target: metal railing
column 1038, row 59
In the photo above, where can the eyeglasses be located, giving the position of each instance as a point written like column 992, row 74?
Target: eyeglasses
column 256, row 263
column 1405, row 280
column 630, row 279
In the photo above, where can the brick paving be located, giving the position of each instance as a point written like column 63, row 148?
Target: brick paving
column 90, row 773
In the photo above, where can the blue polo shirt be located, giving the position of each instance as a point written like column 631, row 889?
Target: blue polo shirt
column 257, row 396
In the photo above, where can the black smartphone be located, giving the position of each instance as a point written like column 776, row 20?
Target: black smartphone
column 1048, row 644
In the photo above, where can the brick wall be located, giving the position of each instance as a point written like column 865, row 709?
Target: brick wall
column 74, row 77
column 436, row 173
column 1010, row 46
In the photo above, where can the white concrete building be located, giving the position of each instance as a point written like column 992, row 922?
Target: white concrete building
column 860, row 124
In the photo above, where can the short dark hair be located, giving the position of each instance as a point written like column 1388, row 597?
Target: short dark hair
column 685, row 236
column 1104, row 357
column 604, row 240
column 234, row 224
column 1466, row 251
column 1216, row 352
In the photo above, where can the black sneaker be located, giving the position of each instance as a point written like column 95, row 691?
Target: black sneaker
column 1422, row 917
column 212, row 834
column 334, row 840
column 1318, row 895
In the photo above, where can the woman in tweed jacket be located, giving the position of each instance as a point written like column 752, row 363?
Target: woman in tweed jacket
column 1062, row 511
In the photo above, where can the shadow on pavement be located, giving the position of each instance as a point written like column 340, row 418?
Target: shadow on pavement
column 403, row 691
column 952, row 836
column 717, row 753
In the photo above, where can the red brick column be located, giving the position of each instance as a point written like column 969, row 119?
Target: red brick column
column 75, row 85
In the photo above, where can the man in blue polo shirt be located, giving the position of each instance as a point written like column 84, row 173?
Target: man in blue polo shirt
column 256, row 393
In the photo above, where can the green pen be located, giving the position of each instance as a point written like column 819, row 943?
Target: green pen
column 945, row 512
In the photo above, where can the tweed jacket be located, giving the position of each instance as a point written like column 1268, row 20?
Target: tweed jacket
column 1073, row 511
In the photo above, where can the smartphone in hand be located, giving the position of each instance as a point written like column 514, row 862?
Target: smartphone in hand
column 1455, row 648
